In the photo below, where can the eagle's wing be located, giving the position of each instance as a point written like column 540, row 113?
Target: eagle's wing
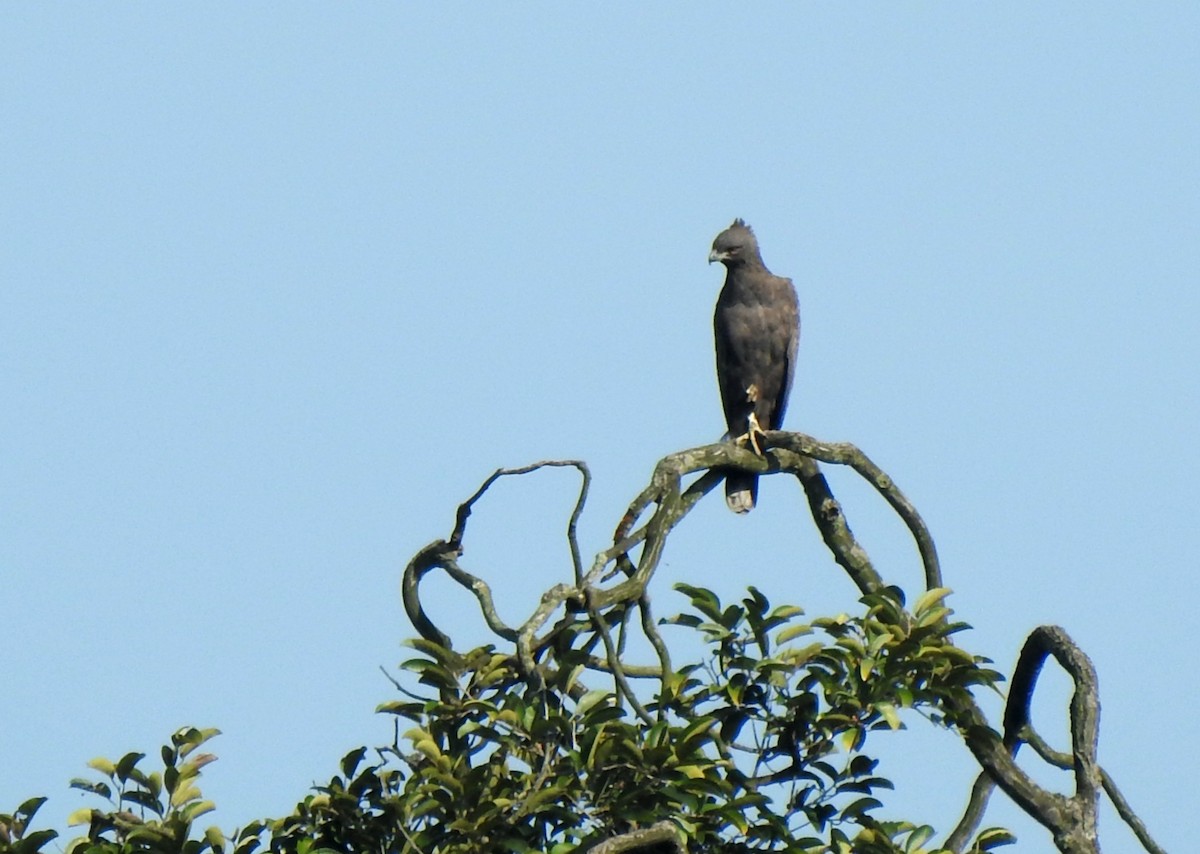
column 787, row 315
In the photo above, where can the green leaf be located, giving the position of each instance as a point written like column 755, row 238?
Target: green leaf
column 590, row 699
column 351, row 760
column 852, row 739
column 786, row 612
column 404, row 708
column 215, row 838
column 930, row 598
column 446, row 657
column 756, row 602
column 104, row 766
column 603, row 714
column 28, row 809
column 183, row 794
column 704, row 601
column 993, row 837
column 101, row 789
column 154, row 783
column 790, row 632
column 860, row 806
column 933, row 616
column 423, row 743
column 188, row 738
column 142, row 799
column 918, row 837
column 194, row 810
column 697, row 732
column 890, row 715
column 80, row 816
column 127, row 764
column 171, row 779
column 31, row 843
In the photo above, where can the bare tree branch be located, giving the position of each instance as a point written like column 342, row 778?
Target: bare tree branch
column 844, row 453
column 1066, row 762
column 972, row 816
column 835, row 531
column 443, row 554
column 624, row 689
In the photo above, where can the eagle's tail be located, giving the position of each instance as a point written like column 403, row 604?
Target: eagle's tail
column 741, row 491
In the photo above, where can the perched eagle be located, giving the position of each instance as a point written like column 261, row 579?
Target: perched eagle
column 757, row 326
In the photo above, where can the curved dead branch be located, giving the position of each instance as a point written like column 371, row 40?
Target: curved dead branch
column 1085, row 725
column 1071, row 820
column 1124, row 810
column 844, row 453
column 835, row 530
column 443, row 554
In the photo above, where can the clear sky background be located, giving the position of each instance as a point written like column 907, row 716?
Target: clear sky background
column 280, row 284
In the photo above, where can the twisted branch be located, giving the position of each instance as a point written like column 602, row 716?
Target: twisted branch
column 635, row 554
column 668, row 501
column 844, row 453
column 1071, row 820
column 1066, row 762
column 443, row 554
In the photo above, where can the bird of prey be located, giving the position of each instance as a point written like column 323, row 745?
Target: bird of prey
column 757, row 326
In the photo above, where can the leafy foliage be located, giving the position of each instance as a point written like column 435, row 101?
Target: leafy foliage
column 763, row 745
column 14, row 830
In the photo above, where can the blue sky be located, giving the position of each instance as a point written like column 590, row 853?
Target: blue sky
column 281, row 284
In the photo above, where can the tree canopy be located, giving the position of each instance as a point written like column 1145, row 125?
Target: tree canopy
column 553, row 739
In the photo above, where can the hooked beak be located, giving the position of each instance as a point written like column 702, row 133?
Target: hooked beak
column 716, row 256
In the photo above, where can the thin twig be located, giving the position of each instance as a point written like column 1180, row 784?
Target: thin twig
column 618, row 673
column 972, row 816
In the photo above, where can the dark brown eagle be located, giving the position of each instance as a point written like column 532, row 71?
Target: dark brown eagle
column 757, row 326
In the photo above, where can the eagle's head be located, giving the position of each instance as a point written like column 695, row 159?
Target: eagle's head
column 735, row 245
